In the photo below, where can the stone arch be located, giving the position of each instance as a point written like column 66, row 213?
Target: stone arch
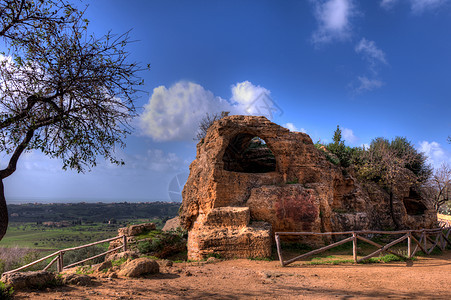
column 248, row 153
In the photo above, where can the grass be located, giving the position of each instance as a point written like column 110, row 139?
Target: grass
column 30, row 235
column 343, row 253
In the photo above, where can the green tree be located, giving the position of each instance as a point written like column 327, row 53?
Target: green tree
column 340, row 150
column 63, row 92
column 389, row 163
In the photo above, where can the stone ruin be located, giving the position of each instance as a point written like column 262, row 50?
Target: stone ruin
column 252, row 177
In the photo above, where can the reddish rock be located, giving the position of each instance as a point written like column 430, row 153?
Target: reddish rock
column 287, row 183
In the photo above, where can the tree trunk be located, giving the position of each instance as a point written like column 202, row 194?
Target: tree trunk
column 392, row 211
column 3, row 211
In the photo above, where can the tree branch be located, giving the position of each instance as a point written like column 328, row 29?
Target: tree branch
column 15, row 157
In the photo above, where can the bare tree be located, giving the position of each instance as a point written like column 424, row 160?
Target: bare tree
column 438, row 188
column 62, row 91
column 207, row 121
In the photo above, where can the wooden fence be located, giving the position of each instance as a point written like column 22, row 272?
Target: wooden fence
column 59, row 255
column 438, row 237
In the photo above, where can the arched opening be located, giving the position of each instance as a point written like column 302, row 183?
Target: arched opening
column 247, row 153
column 413, row 204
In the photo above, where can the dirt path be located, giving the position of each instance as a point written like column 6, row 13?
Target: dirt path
column 427, row 278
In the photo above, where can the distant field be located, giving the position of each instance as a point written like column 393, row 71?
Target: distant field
column 30, row 235
column 87, row 222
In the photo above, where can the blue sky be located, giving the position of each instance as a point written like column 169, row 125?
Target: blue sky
column 376, row 68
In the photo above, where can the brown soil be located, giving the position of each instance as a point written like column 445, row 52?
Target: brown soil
column 427, row 278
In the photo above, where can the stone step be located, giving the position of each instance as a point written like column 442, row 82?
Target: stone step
column 233, row 217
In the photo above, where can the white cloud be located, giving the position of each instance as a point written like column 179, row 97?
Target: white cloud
column 366, row 84
column 348, row 135
column 174, row 113
column 333, row 17
column 388, row 4
column 244, row 95
column 370, row 52
column 375, row 57
column 293, row 128
column 436, row 154
column 417, row 6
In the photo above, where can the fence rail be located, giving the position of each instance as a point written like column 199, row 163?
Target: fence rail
column 441, row 240
column 59, row 255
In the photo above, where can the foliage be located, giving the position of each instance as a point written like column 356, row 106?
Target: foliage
column 343, row 153
column 384, row 162
column 163, row 244
column 215, row 255
column 294, row 181
column 88, row 213
column 14, row 257
column 119, row 261
column 84, row 270
column 6, row 292
column 207, row 121
column 84, row 253
column 64, row 92
column 385, row 259
column 329, row 156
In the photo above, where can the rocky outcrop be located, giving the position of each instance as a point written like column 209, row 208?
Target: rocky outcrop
column 249, row 164
column 229, row 228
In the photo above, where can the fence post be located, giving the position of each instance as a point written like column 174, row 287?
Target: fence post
column 60, row 262
column 279, row 250
column 425, row 241
column 124, row 242
column 354, row 246
column 409, row 244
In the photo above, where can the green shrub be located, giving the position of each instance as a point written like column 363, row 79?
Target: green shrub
column 119, row 261
column 163, row 244
column 215, row 255
column 6, row 292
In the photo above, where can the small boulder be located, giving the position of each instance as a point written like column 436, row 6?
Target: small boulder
column 138, row 267
column 35, row 279
column 77, row 279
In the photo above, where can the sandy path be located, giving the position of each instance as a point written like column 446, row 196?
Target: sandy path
column 428, row 278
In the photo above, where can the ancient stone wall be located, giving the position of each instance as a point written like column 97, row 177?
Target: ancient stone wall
column 241, row 189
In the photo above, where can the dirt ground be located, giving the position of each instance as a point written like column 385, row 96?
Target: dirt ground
column 427, row 278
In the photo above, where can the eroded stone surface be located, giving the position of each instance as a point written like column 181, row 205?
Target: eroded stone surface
column 139, row 266
column 288, row 183
column 34, row 279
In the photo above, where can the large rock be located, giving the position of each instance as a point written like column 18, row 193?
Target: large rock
column 138, row 267
column 35, row 279
column 172, row 224
column 287, row 183
column 134, row 230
